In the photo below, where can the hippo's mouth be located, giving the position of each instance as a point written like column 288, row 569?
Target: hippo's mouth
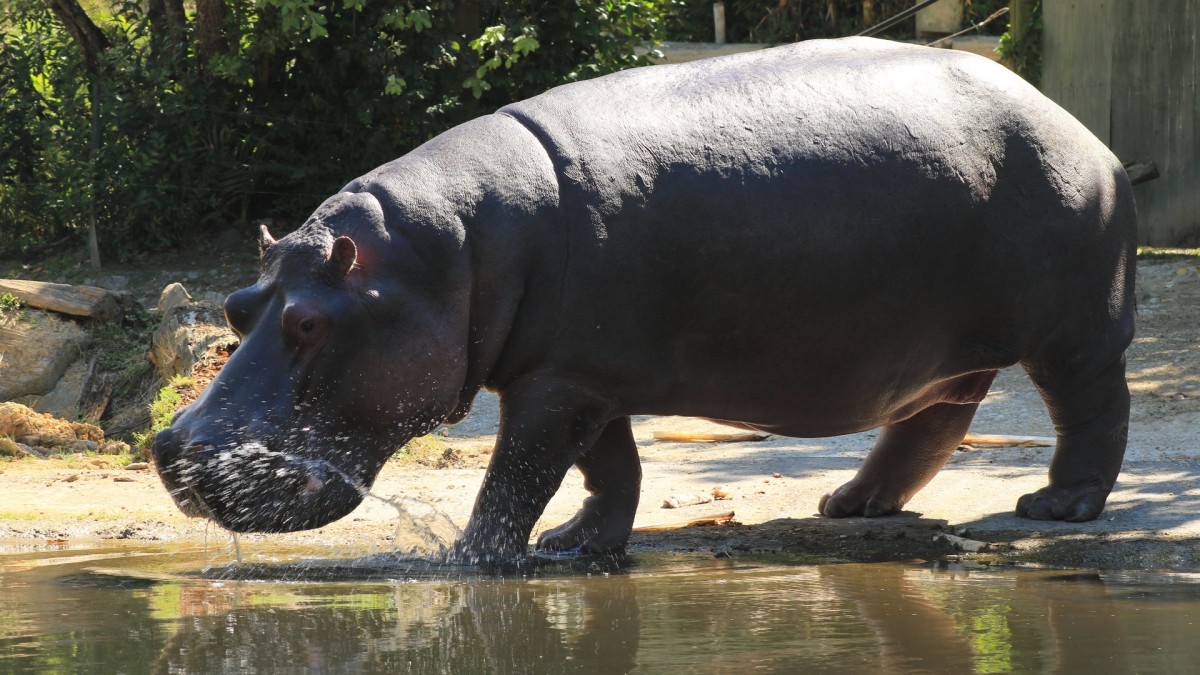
column 250, row 488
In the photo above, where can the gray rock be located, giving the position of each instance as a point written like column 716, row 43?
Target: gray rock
column 188, row 335
column 174, row 295
column 116, row 282
column 63, row 400
column 35, row 350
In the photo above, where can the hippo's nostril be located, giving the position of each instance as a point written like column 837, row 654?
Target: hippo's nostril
column 166, row 447
column 315, row 484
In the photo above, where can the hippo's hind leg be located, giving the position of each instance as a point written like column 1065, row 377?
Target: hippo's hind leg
column 907, row 455
column 1090, row 411
column 613, row 475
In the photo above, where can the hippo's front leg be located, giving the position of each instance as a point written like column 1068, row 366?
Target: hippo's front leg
column 546, row 424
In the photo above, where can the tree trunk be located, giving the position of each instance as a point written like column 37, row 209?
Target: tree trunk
column 210, row 35
column 92, row 44
column 83, row 30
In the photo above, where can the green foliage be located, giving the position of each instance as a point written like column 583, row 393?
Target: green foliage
column 1024, row 53
column 775, row 22
column 121, row 348
column 10, row 306
column 308, row 94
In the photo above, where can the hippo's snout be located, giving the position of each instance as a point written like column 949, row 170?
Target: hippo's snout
column 246, row 486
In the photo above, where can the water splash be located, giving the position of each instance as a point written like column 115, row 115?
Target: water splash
column 422, row 531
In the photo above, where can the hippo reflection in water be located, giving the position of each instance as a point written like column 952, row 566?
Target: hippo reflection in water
column 811, row 240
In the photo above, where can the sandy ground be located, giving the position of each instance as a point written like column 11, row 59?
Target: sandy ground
column 1152, row 519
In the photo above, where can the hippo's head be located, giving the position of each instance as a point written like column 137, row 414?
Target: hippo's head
column 352, row 342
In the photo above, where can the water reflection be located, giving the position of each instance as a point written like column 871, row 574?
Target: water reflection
column 492, row 626
column 138, row 614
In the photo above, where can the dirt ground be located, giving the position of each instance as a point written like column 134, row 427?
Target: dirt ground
column 1152, row 519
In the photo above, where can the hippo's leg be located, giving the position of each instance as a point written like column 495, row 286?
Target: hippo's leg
column 612, row 472
column 546, row 424
column 1090, row 412
column 907, row 455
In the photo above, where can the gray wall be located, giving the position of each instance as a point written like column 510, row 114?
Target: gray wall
column 1129, row 70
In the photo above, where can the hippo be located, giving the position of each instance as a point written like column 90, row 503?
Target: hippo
column 812, row 240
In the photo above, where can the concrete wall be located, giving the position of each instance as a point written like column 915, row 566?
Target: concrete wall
column 1130, row 72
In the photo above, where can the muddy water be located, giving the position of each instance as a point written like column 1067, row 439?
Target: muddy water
column 184, row 609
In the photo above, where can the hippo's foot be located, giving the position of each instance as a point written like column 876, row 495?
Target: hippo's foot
column 858, row 498
column 594, row 529
column 1074, row 504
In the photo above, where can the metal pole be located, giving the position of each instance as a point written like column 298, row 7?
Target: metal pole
column 719, row 22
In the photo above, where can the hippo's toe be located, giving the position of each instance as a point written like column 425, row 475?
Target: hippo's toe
column 590, row 531
column 857, row 498
column 1052, row 502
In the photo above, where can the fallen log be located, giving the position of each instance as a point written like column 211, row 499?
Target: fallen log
column 86, row 301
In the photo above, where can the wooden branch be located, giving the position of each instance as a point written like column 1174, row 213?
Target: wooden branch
column 87, row 301
column 83, row 30
column 1141, row 171
column 705, row 437
column 715, row 519
column 97, row 391
column 1000, row 440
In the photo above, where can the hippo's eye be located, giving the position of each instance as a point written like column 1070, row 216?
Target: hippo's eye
column 304, row 326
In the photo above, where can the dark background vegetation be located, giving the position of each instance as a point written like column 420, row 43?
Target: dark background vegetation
column 166, row 121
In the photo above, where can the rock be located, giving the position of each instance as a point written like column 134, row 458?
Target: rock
column 174, row 295
column 116, row 282
column 676, row 502
column 213, row 298
column 33, row 428
column 114, row 448
column 63, row 400
column 189, row 336
column 11, row 448
column 86, row 301
column 36, row 348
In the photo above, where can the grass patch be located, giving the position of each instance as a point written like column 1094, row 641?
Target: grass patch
column 162, row 409
column 1161, row 252
column 429, row 451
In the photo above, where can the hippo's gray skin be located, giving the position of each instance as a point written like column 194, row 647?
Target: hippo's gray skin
column 811, row 240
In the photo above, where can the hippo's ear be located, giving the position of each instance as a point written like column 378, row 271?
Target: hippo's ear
column 343, row 256
column 265, row 240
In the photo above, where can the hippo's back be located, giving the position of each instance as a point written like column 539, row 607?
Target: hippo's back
column 895, row 213
column 827, row 106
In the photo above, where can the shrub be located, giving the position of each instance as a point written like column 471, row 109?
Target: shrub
column 295, row 98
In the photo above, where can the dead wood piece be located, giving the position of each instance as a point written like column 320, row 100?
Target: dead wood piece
column 97, row 390
column 1002, row 440
column 1141, row 171
column 963, row 544
column 86, row 301
column 704, row 437
column 715, row 519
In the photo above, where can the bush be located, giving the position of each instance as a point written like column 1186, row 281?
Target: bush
column 775, row 22
column 296, row 98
